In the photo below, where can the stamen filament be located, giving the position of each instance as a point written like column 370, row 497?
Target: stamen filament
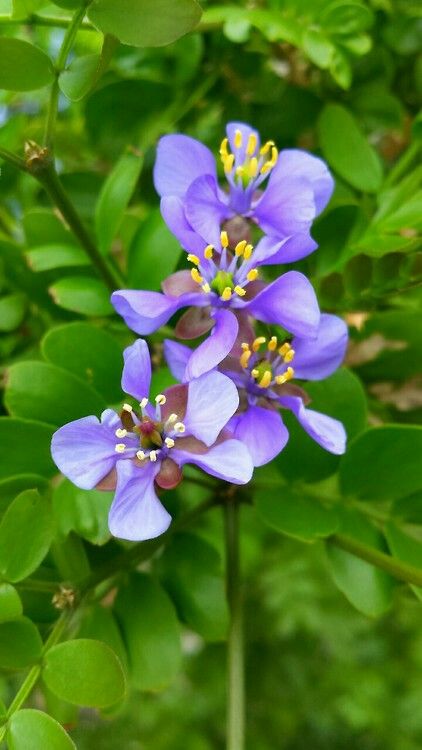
column 206, row 288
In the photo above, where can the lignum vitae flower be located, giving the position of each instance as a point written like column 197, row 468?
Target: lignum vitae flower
column 139, row 449
column 224, row 291
column 264, row 373
column 299, row 187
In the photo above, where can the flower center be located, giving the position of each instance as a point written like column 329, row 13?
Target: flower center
column 247, row 165
column 227, row 272
column 149, row 437
column 267, row 368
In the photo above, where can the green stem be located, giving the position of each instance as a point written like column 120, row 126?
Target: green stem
column 13, row 159
column 400, row 570
column 49, row 21
column 235, row 661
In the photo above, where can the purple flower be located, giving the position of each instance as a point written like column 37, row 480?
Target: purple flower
column 136, row 450
column 225, row 289
column 263, row 375
column 298, row 189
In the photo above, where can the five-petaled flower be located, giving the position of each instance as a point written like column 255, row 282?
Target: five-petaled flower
column 141, row 448
column 263, row 374
column 298, row 189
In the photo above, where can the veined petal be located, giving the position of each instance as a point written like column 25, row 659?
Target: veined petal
column 212, row 400
column 173, row 213
column 287, row 208
column 271, row 250
column 326, row 431
column 144, row 312
column 262, row 431
column 204, row 210
column 136, row 377
column 136, row 513
column 317, row 358
column 176, row 356
column 290, row 301
column 246, row 131
column 216, row 347
column 293, row 162
column 229, row 460
column 180, row 160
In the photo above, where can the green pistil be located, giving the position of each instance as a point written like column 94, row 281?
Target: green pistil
column 222, row 280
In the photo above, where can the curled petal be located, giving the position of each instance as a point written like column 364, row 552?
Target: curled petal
column 136, row 377
column 173, row 213
column 229, row 460
column 262, row 431
column 136, row 513
column 194, row 323
column 317, row 358
column 293, row 162
column 271, row 250
column 169, row 476
column 217, row 346
column 212, row 400
column 205, row 210
column 144, row 312
column 326, row 431
column 176, row 356
column 290, row 301
column 287, row 208
column 180, row 160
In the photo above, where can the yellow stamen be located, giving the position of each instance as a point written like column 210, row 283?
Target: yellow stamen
column 223, row 147
column 226, row 294
column 274, row 156
column 284, row 349
column 240, row 291
column 252, row 141
column 127, row 407
column 224, row 239
column 240, row 248
column 266, row 379
column 160, row 399
column 289, row 355
column 253, row 167
column 206, row 288
column 196, row 276
column 280, row 379
column 143, row 402
column 153, row 456
column 169, row 442
column 245, row 346
column 228, row 162
column 193, row 259
column 272, row 344
column 238, row 139
column 266, row 147
column 248, row 252
column 257, row 343
column 252, row 274
column 120, row 433
column 240, row 171
column 179, row 427
column 208, row 252
column 255, row 373
column 244, row 358
column 140, row 455
column 172, row 418
column 120, row 448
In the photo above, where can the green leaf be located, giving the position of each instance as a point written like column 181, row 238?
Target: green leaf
column 383, row 463
column 30, row 729
column 47, row 257
column 77, row 80
column 100, row 623
column 366, row 587
column 83, row 511
column 114, row 197
column 344, row 18
column 88, row 352
column 10, row 603
column 83, row 295
column 408, row 508
column 400, row 354
column 318, row 47
column 292, row 512
column 347, row 150
column 192, row 574
column 20, row 644
column 84, row 672
column 28, row 448
column 153, row 242
column 151, row 632
column 406, row 548
column 145, row 23
column 26, row 532
column 23, row 67
column 42, row 391
column 12, row 311
column 340, row 396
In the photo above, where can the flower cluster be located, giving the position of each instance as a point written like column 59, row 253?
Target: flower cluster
column 224, row 417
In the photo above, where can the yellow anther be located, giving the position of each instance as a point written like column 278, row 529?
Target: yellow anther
column 266, row 168
column 255, row 373
column 239, row 290
column 245, row 346
column 193, row 259
column 153, row 456
column 169, row 442
column 223, row 147
column 224, row 239
column 160, row 399
column 274, row 156
column 208, row 252
column 226, row 294
column 240, row 171
column 284, row 349
column 244, row 358
column 143, row 402
column 280, row 379
column 258, row 342
column 289, row 355
column 240, row 248
column 179, row 427
column 266, row 147
column 140, row 455
column 228, row 162
column 253, row 167
column 252, row 142
column 120, row 448
column 266, row 379
column 238, row 139
column 196, row 276
column 248, row 252
column 172, row 418
column 120, row 432
column 272, row 344
column 127, row 407
column 252, row 274
column 206, row 288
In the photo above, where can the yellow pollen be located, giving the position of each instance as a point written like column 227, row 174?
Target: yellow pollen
column 193, row 259
column 127, row 407
column 266, row 147
column 245, row 346
column 240, row 171
column 266, row 379
column 153, row 456
column 253, row 167
column 280, row 379
column 284, row 349
column 252, row 141
column 244, row 358
column 160, row 399
column 223, row 147
column 169, row 442
column 196, row 276
column 257, row 343
column 208, row 252
column 224, row 239
column 172, row 418
column 289, row 356
column 206, row 288
column 255, row 373
column 274, row 156
column 120, row 448
column 179, row 427
column 120, row 433
column 226, row 294
column 272, row 344
column 228, row 162
column 140, row 455
column 238, row 139
column 248, row 252
column 240, row 291
column 240, row 247
column 143, row 402
column 252, row 274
